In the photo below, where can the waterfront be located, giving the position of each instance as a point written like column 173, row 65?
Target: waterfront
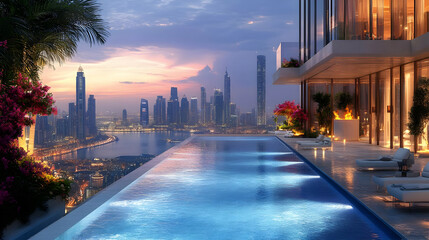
column 129, row 143
column 94, row 168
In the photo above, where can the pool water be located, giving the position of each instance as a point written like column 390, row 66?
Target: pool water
column 229, row 188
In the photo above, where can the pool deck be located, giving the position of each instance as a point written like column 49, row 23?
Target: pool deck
column 338, row 162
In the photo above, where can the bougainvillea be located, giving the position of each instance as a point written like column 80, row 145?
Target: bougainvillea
column 293, row 63
column 25, row 185
column 295, row 115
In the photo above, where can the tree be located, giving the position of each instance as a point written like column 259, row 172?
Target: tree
column 419, row 113
column 42, row 32
column 324, row 111
column 33, row 34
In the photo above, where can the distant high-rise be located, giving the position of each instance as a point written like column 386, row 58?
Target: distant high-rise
column 159, row 112
column 194, row 111
column 261, row 119
column 124, row 117
column 173, row 107
column 92, row 127
column 80, row 105
column 218, row 105
column 226, row 97
column 203, row 106
column 144, row 112
column 174, row 94
column 184, row 110
column 72, row 120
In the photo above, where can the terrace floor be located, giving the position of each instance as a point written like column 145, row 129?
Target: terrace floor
column 339, row 164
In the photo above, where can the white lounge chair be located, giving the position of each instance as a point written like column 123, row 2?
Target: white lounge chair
column 386, row 181
column 410, row 193
column 316, row 140
column 402, row 156
column 326, row 143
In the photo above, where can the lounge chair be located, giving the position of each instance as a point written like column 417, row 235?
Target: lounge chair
column 326, row 143
column 401, row 157
column 411, row 193
column 317, row 140
column 386, row 181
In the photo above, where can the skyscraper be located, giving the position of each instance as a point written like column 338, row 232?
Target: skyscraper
column 92, row 127
column 226, row 97
column 218, row 105
column 173, row 107
column 72, row 120
column 203, row 106
column 261, row 120
column 184, row 110
column 194, row 111
column 174, row 94
column 144, row 112
column 159, row 111
column 124, row 117
column 80, row 105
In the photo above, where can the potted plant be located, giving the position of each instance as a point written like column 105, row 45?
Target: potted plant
column 293, row 63
column 323, row 112
column 419, row 113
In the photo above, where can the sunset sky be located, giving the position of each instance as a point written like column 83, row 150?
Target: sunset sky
column 157, row 44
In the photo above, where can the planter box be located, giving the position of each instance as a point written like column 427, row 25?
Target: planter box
column 346, row 129
column 37, row 221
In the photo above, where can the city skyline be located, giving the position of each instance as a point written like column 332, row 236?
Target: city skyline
column 150, row 60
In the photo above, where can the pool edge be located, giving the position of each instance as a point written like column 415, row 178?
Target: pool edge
column 358, row 203
column 68, row 221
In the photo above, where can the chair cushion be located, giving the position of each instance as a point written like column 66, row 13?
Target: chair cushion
column 320, row 138
column 402, row 153
column 425, row 172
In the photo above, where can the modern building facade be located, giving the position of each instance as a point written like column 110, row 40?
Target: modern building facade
column 159, row 111
column 226, row 97
column 379, row 76
column 194, row 111
column 218, row 107
column 80, row 105
column 173, row 107
column 260, row 94
column 144, row 112
column 72, row 119
column 92, row 127
column 124, row 117
column 184, row 110
column 203, row 105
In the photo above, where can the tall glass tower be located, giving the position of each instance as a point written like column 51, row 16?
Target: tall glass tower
column 227, row 97
column 80, row 105
column 144, row 112
column 203, row 105
column 261, row 119
column 218, row 105
column 92, row 128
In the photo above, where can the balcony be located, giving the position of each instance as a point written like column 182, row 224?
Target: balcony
column 354, row 59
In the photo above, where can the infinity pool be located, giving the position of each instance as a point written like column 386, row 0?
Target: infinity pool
column 230, row 188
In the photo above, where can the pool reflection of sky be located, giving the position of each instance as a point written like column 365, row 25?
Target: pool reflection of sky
column 225, row 188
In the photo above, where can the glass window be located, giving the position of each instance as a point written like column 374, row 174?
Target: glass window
column 320, row 25
column 339, row 17
column 364, row 108
column 386, row 20
column 312, row 27
column 423, row 72
column 396, row 106
column 373, row 110
column 398, row 19
column 408, row 92
column 422, row 21
column 382, row 108
column 357, row 20
column 317, row 86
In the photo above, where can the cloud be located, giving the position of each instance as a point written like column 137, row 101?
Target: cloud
column 129, row 82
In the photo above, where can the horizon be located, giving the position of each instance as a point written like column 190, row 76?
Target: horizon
column 148, row 53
